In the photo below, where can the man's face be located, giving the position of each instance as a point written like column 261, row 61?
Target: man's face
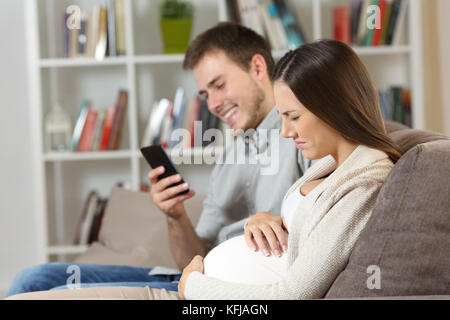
column 233, row 95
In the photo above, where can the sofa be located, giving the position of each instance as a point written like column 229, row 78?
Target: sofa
column 403, row 253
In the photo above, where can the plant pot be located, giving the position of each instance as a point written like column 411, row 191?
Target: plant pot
column 176, row 34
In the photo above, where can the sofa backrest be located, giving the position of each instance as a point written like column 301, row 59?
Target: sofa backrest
column 134, row 231
column 404, row 249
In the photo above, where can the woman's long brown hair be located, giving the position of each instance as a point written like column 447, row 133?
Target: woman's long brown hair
column 331, row 81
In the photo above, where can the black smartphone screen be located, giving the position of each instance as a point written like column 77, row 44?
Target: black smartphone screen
column 156, row 156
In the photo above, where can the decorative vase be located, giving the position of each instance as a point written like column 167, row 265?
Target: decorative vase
column 176, row 34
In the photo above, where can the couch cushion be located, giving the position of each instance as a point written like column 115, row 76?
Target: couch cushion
column 409, row 138
column 408, row 234
column 392, row 126
column 134, row 231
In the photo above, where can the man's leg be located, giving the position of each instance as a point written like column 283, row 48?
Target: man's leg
column 50, row 275
column 109, row 293
column 170, row 284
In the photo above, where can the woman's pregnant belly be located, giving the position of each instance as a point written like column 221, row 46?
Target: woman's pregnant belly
column 234, row 261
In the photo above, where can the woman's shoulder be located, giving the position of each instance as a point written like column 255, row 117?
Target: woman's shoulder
column 367, row 174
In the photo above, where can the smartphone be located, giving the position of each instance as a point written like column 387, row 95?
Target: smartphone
column 156, row 156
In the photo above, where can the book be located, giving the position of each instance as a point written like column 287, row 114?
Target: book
column 166, row 127
column 120, row 27
column 119, row 117
column 204, row 118
column 111, row 17
column 179, row 107
column 378, row 31
column 341, row 22
column 157, row 116
column 100, row 47
column 362, row 27
column 92, row 31
column 355, row 16
column 250, row 17
column 146, row 137
column 269, row 28
column 395, row 11
column 98, row 130
column 371, row 23
column 292, row 28
column 278, row 26
column 396, row 104
column 399, row 28
column 79, row 125
column 406, row 102
column 386, row 17
column 107, row 126
column 87, row 135
column 97, row 220
column 195, row 117
column 384, row 97
column 85, row 221
column 233, row 11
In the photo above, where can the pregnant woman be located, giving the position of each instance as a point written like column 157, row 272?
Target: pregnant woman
column 330, row 109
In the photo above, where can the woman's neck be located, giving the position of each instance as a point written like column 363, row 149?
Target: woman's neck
column 343, row 150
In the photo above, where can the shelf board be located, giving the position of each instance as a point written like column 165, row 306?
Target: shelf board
column 81, row 62
column 365, row 51
column 60, row 250
column 381, row 50
column 93, row 155
column 158, row 58
column 178, row 58
column 112, row 155
column 139, row 59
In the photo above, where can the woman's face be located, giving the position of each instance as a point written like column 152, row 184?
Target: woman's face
column 314, row 137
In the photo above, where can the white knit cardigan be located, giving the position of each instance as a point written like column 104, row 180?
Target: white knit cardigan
column 324, row 229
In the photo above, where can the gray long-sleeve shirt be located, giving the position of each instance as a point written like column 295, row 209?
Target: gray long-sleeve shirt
column 257, row 170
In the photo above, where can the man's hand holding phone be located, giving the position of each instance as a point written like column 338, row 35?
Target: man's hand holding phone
column 169, row 199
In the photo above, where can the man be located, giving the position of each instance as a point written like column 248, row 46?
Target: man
column 232, row 67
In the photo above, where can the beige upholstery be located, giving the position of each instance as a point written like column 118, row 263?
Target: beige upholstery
column 134, row 231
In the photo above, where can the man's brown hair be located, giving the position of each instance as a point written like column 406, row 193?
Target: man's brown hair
column 239, row 43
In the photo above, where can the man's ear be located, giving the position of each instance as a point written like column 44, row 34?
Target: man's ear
column 258, row 66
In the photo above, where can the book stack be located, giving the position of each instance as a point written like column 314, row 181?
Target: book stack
column 395, row 104
column 370, row 22
column 97, row 33
column 90, row 220
column 100, row 129
column 274, row 20
column 177, row 123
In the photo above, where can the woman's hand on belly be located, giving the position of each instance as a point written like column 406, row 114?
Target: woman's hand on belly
column 266, row 232
column 196, row 264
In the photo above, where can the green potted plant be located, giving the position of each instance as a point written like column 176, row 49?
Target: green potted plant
column 176, row 25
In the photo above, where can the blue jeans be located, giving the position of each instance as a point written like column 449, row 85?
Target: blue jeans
column 55, row 275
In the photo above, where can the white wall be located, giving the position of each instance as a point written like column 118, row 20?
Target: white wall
column 17, row 234
column 443, row 9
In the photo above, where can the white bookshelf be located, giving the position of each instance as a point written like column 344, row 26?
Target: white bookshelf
column 63, row 180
